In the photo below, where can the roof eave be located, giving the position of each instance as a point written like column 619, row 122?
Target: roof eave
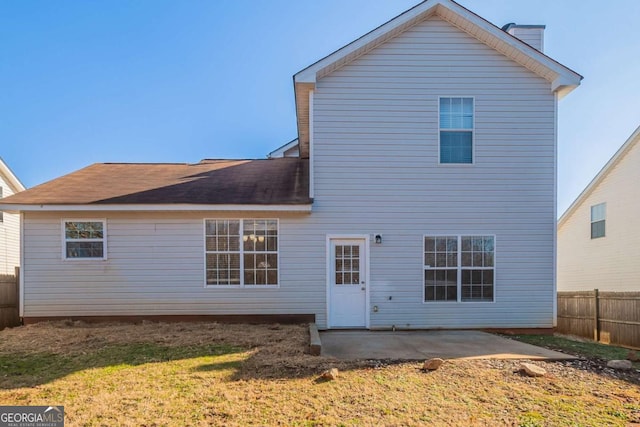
column 178, row 207
column 565, row 84
column 563, row 80
column 419, row 13
column 6, row 171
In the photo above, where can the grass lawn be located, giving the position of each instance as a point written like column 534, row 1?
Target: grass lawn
column 214, row 374
column 578, row 347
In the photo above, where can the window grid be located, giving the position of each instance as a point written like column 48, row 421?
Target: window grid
column 459, row 268
column 260, row 247
column 441, row 268
column 84, row 239
column 222, row 252
column 456, row 128
column 241, row 252
column 598, row 220
column 477, row 268
column 347, row 259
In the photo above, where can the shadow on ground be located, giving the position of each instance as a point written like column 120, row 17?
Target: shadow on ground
column 261, row 352
column 32, row 369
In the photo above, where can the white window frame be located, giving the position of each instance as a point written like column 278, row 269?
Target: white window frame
column 241, row 252
column 604, row 219
column 472, row 130
column 460, row 268
column 65, row 240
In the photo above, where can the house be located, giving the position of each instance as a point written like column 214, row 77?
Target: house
column 9, row 223
column 598, row 235
column 422, row 195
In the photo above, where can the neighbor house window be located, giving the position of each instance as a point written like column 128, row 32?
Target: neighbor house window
column 84, row 239
column 456, row 130
column 241, row 252
column 598, row 217
column 459, row 268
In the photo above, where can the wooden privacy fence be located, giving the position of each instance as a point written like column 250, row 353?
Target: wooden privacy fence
column 9, row 294
column 607, row 317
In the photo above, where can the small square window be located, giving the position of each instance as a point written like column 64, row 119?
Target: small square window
column 84, row 239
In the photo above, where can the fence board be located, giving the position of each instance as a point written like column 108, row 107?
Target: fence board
column 608, row 317
column 9, row 315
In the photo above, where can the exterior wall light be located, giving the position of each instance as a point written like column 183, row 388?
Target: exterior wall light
column 378, row 239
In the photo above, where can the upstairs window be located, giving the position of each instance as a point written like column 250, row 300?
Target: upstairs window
column 84, row 239
column 598, row 218
column 456, row 130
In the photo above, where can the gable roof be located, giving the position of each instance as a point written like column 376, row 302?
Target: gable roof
column 612, row 163
column 10, row 177
column 561, row 78
column 210, row 184
column 281, row 151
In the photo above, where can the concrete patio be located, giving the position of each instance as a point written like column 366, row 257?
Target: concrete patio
column 419, row 345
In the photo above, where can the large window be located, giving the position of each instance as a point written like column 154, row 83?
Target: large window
column 456, row 130
column 84, row 239
column 241, row 252
column 598, row 218
column 459, row 268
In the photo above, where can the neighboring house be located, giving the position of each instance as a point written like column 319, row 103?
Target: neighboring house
column 9, row 223
column 422, row 196
column 599, row 235
column 290, row 149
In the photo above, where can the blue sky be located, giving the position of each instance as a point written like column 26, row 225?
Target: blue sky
column 178, row 81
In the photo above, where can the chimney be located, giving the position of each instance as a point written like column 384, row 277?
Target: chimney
column 533, row 35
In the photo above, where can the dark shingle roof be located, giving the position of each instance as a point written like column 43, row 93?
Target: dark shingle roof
column 251, row 182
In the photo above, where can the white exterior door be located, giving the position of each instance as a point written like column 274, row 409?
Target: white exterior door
column 347, row 283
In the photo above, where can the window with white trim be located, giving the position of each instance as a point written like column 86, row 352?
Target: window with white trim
column 241, row 252
column 456, row 130
column 84, row 239
column 459, row 268
column 598, row 220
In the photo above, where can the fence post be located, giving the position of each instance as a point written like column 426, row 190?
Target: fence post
column 17, row 274
column 596, row 316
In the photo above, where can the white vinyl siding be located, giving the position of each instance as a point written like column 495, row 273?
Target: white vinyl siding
column 375, row 160
column 155, row 267
column 610, row 263
column 9, row 234
column 376, row 163
column 534, row 37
